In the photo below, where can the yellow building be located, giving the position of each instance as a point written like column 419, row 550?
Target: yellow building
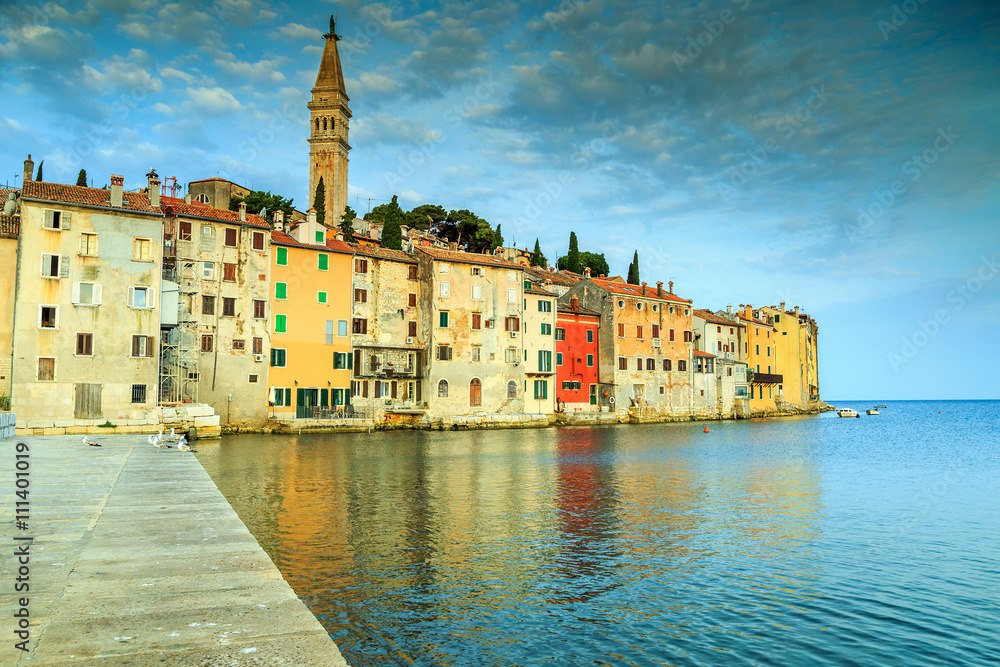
column 763, row 373
column 539, row 350
column 310, row 318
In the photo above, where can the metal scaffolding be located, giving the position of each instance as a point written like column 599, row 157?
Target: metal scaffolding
column 180, row 347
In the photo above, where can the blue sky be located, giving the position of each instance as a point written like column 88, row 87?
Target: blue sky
column 841, row 156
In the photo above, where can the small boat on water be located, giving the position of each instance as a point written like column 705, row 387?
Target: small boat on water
column 872, row 411
column 848, row 412
column 881, row 406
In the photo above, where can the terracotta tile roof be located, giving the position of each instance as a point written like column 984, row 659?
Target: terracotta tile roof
column 557, row 277
column 578, row 311
column 709, row 316
column 763, row 324
column 699, row 353
column 382, row 253
column 216, row 215
column 469, row 258
column 83, row 196
column 281, row 238
column 539, row 292
column 626, row 289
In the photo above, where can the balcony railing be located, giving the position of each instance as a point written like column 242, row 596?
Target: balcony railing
column 764, row 378
column 338, row 412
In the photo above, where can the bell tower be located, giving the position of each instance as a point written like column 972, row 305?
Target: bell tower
column 329, row 116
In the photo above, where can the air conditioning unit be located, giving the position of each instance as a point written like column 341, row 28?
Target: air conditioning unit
column 513, row 334
column 409, row 340
column 258, row 357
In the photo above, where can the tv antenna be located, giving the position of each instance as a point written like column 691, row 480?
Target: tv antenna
column 369, row 200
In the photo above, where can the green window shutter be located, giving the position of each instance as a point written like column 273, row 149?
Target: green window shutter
column 590, row 360
column 288, row 397
column 541, row 363
column 280, row 323
column 274, row 357
column 324, row 262
column 350, row 361
column 281, row 289
column 300, row 396
column 319, row 236
column 443, row 321
column 536, row 390
column 282, row 258
column 590, row 335
column 545, row 388
column 321, row 297
column 559, row 359
column 324, row 397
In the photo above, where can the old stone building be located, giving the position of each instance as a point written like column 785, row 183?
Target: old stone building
column 329, row 117
column 86, row 319
column 9, row 232
column 472, row 309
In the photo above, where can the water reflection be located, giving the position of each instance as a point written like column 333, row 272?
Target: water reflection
column 650, row 545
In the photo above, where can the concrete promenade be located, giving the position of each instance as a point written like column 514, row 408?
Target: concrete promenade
column 137, row 559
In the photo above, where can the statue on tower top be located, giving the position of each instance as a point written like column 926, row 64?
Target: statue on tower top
column 333, row 25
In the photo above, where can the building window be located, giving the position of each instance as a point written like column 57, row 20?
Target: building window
column 546, row 329
column 590, row 360
column 443, row 319
column 281, row 257
column 545, row 306
column 638, row 332
column 280, row 290
column 682, row 365
column 51, row 265
column 138, row 393
column 443, row 389
column 86, row 294
column 207, row 343
column 512, row 324
column 360, row 265
column 280, row 323
column 688, row 336
column 477, row 292
column 656, row 331
column 319, row 236
column 228, row 306
column 511, row 389
column 621, row 330
column 666, row 364
column 671, row 336
column 412, row 275
column 184, row 233
column 320, row 297
column 231, row 235
column 757, row 348
column 622, row 363
column 253, row 379
column 238, row 344
column 88, row 245
column 229, row 272
column 360, row 295
column 85, row 344
column 140, row 249
column 323, row 262
column 360, row 325
column 444, row 289
column 277, row 357
column 342, row 360
column 559, row 358
column 258, row 345
column 56, row 220
column 477, row 352
column 411, row 300
column 590, row 335
column 638, row 363
column 510, row 356
column 475, row 392
column 541, row 390
column 560, row 333
column 544, row 361
column 258, row 240
column 477, row 321
column 46, row 369
column 444, row 352
column 511, row 295
column 48, row 317
column 411, row 328
column 208, row 271
column 650, row 364
column 207, row 305
column 342, row 328
column 329, row 332
column 259, row 309
column 661, row 389
column 769, row 350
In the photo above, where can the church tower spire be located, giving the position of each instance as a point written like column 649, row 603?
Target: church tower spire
column 328, row 124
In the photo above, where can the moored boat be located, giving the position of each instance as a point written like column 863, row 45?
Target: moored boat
column 872, row 411
column 848, row 412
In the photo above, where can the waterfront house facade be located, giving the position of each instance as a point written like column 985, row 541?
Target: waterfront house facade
column 577, row 358
column 539, row 350
column 762, row 375
column 9, row 231
column 472, row 306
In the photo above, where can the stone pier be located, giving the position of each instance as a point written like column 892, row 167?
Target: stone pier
column 137, row 560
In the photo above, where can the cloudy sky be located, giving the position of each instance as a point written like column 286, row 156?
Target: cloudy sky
column 842, row 156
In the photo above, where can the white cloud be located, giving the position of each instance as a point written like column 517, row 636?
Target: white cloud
column 213, row 100
column 263, row 71
column 296, row 32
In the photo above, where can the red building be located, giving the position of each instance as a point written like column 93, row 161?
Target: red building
column 576, row 357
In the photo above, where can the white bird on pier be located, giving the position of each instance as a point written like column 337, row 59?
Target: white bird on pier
column 182, row 445
column 155, row 442
column 90, row 443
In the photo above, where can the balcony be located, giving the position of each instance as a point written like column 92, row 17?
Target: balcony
column 764, row 378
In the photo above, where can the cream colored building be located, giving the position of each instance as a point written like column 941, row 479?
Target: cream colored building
column 9, row 230
column 539, row 350
column 86, row 321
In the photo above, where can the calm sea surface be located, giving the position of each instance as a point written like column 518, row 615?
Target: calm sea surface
column 797, row 541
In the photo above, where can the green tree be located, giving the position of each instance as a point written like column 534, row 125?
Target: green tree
column 347, row 224
column 426, row 216
column 81, row 179
column 573, row 256
column 597, row 264
column 537, row 258
column 391, row 216
column 633, row 270
column 259, row 199
column 497, row 239
column 319, row 201
column 38, row 176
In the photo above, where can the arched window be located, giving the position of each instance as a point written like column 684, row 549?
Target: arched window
column 443, row 389
column 317, row 126
column 203, row 198
column 511, row 389
column 324, row 124
column 475, row 392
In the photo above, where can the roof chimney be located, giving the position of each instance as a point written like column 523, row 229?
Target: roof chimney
column 601, row 276
column 659, row 288
column 781, row 307
column 729, row 310
column 187, row 197
column 586, row 273
column 154, row 188
column 279, row 220
column 644, row 288
column 796, row 311
column 243, row 211
column 574, row 302
column 29, row 169
column 117, row 186
column 670, row 287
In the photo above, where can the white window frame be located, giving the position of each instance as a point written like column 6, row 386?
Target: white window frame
column 477, row 270
column 149, row 249
column 48, row 305
column 150, row 297
column 208, row 270
column 477, row 292
column 96, row 294
column 343, row 328
column 511, row 295
column 63, row 266
column 444, row 289
column 83, row 251
column 48, row 220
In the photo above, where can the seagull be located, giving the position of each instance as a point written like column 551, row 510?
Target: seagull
column 90, row 443
column 155, row 442
column 182, row 445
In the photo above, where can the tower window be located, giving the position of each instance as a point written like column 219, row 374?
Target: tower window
column 324, row 124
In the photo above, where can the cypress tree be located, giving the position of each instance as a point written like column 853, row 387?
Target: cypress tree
column 537, row 258
column 319, row 201
column 347, row 224
column 573, row 257
column 633, row 270
column 38, row 177
column 82, row 178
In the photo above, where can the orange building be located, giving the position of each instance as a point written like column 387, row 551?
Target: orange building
column 311, row 361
